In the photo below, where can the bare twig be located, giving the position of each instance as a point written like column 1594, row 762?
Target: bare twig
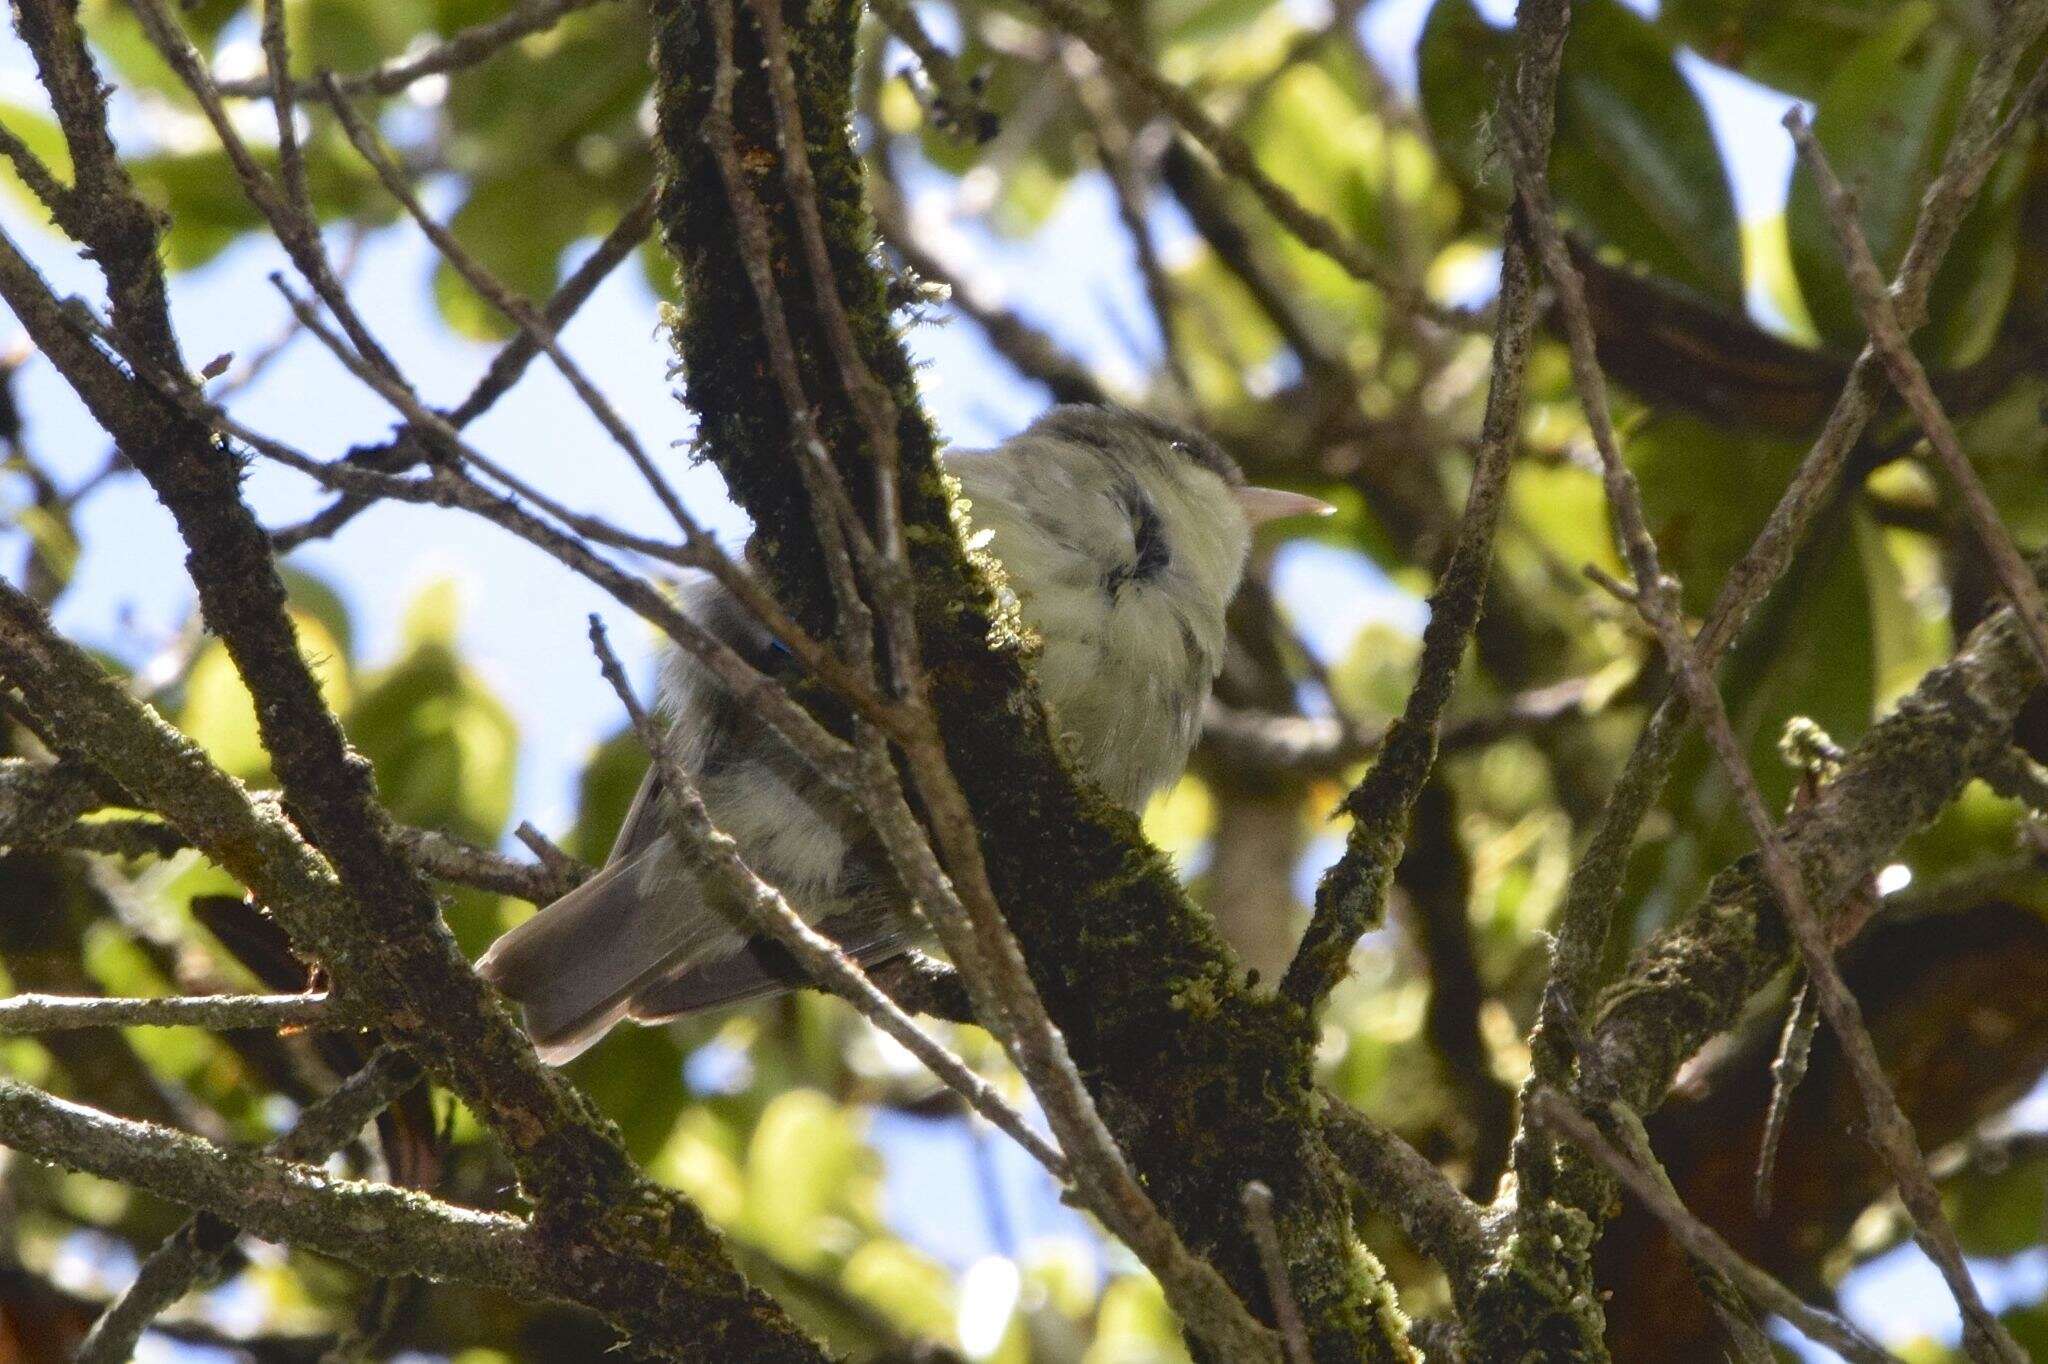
column 1889, row 337
column 549, row 853
column 872, row 402
column 29, row 1014
column 1119, row 150
column 2015, row 775
column 287, row 211
column 1401, row 1182
column 1030, row 350
column 448, row 858
column 1788, row 1068
column 1702, row 1242
column 819, row 747
column 505, row 369
column 519, row 311
column 1258, row 1212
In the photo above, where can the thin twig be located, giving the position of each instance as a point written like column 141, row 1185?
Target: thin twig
column 872, row 402
column 2016, row 775
column 298, row 231
column 1118, row 148
column 1889, row 337
column 1258, row 1212
column 505, row 369
column 517, row 310
column 1788, row 1068
column 1594, row 888
column 735, row 671
column 28, row 1014
column 1402, row 1183
column 1700, row 1241
column 1030, row 350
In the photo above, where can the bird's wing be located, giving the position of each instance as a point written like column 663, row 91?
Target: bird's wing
column 764, row 967
column 646, row 819
column 575, row 966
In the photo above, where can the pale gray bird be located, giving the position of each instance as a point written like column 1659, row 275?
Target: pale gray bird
column 1123, row 538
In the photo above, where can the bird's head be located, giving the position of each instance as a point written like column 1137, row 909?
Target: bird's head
column 1188, row 503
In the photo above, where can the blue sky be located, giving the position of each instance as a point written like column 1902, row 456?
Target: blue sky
column 523, row 616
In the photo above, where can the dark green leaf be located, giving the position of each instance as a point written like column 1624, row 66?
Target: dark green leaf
column 1634, row 165
column 1884, row 120
column 1793, row 47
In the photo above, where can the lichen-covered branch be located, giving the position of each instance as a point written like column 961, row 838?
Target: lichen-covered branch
column 1689, row 982
column 187, row 1254
column 28, row 1014
column 378, row 1227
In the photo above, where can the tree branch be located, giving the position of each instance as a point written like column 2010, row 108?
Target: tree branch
column 377, row 1227
column 667, row 1278
column 190, row 1252
column 1234, row 1103
column 28, row 1014
column 1352, row 894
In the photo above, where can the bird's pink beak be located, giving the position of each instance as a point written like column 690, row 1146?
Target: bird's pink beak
column 1270, row 504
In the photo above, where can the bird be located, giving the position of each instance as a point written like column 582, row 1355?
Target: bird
column 1122, row 537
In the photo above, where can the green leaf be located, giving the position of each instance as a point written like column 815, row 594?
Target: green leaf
column 1884, row 120
column 40, row 134
column 908, row 1287
column 1634, row 163
column 312, row 595
column 517, row 227
column 445, row 749
column 351, row 35
column 804, row 1167
column 2002, row 1213
column 218, row 714
column 635, row 1078
column 1792, row 47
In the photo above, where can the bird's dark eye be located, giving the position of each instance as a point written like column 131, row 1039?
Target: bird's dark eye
column 1180, row 447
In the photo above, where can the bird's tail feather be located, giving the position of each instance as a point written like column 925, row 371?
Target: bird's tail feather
column 575, row 966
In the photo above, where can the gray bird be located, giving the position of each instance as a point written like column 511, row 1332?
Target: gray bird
column 1123, row 538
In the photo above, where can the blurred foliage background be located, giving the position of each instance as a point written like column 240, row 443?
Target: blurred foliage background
column 852, row 1187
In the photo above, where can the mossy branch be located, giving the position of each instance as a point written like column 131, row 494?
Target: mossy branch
column 1205, row 1084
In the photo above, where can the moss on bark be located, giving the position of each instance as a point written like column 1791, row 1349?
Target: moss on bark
column 1206, row 1084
